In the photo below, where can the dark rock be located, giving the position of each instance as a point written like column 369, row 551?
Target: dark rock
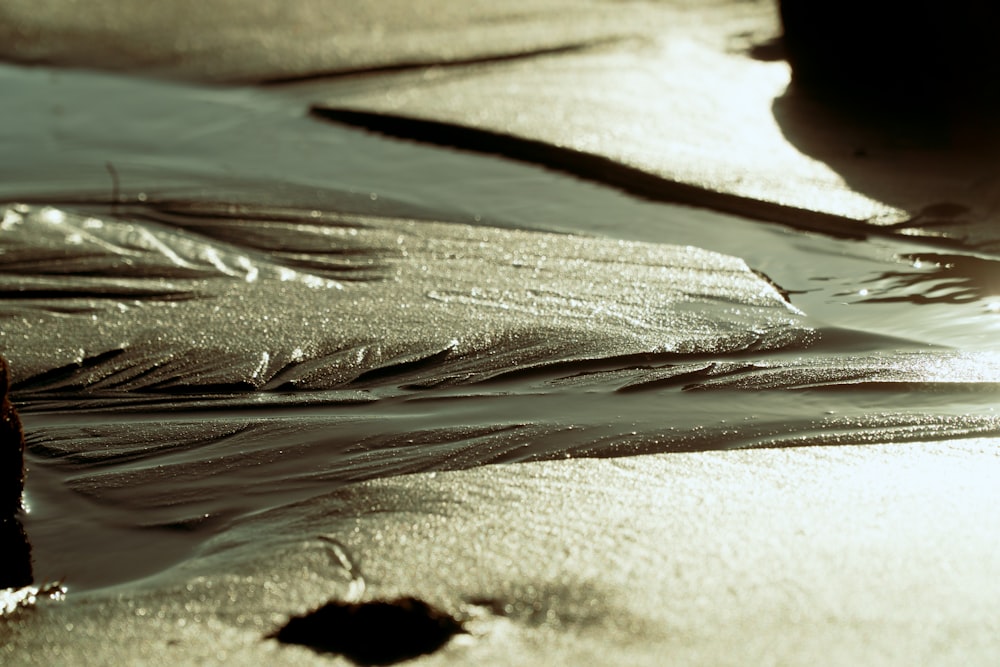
column 11, row 450
column 16, row 571
column 14, row 545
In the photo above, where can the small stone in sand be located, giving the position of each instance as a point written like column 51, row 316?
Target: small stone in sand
column 379, row 632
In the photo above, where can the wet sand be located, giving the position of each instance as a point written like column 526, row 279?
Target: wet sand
column 831, row 555
column 267, row 362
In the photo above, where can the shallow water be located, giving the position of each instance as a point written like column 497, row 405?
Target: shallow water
column 141, row 451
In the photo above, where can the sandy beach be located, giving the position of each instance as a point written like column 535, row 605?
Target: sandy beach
column 455, row 333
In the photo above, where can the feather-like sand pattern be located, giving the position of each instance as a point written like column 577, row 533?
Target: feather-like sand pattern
column 198, row 306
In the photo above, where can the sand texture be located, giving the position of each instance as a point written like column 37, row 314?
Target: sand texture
column 561, row 332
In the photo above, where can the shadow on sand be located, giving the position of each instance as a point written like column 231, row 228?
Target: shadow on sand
column 901, row 100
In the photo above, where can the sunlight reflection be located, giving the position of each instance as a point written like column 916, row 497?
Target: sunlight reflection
column 979, row 367
column 686, row 111
column 265, row 358
column 10, row 219
column 13, row 599
column 52, row 216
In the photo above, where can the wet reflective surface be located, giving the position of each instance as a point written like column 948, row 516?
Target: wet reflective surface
column 202, row 360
